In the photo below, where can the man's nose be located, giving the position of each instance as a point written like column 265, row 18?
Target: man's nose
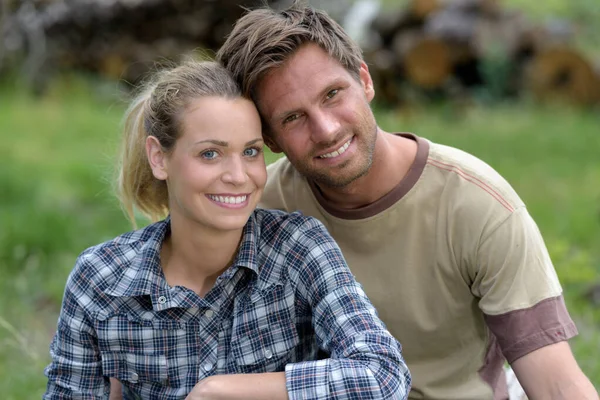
column 325, row 126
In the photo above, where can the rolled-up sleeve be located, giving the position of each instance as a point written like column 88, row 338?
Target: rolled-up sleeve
column 75, row 371
column 365, row 360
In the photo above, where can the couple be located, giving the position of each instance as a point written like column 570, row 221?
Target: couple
column 222, row 301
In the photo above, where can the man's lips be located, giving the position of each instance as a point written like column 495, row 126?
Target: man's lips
column 340, row 150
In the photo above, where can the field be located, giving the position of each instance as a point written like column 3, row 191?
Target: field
column 56, row 169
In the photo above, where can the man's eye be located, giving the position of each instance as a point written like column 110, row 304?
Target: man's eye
column 332, row 93
column 209, row 154
column 251, row 152
column 290, row 118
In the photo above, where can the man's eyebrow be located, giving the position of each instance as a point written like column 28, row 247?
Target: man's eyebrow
column 337, row 83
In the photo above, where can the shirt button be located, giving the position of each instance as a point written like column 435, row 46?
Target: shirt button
column 162, row 300
column 209, row 313
column 134, row 377
column 207, row 367
column 268, row 354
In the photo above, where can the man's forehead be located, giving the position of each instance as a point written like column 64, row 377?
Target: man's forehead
column 304, row 76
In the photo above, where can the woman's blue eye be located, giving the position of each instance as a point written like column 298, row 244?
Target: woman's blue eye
column 251, row 152
column 209, row 154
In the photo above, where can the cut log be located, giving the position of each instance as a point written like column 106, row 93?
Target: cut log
column 421, row 9
column 388, row 24
column 507, row 34
column 428, row 63
column 487, row 8
column 561, row 73
column 384, row 71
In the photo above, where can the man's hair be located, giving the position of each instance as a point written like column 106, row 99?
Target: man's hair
column 265, row 38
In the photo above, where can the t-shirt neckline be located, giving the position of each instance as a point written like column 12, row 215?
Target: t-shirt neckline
column 404, row 186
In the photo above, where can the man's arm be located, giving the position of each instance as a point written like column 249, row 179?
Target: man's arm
column 552, row 373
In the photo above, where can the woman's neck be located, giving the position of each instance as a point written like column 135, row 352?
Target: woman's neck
column 194, row 258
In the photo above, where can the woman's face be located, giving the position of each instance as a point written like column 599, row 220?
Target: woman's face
column 216, row 172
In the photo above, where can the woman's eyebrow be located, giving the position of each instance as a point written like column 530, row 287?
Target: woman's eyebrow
column 250, row 143
column 213, row 141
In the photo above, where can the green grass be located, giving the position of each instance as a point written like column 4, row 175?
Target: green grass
column 57, row 160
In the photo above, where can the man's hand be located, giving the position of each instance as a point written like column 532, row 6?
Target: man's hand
column 267, row 386
column 551, row 373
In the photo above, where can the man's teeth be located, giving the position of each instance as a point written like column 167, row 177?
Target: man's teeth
column 228, row 199
column 339, row 151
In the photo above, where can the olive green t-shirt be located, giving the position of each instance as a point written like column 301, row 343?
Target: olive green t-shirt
column 454, row 264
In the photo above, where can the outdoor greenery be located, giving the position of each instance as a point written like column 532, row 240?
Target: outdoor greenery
column 57, row 163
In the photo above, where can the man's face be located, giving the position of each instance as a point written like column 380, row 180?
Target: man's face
column 318, row 114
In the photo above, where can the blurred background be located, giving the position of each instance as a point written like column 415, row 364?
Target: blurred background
column 514, row 82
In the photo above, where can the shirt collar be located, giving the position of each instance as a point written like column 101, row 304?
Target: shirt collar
column 144, row 276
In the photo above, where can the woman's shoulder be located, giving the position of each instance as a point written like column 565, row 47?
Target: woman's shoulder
column 100, row 265
column 277, row 221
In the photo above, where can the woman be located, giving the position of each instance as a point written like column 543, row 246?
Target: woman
column 219, row 299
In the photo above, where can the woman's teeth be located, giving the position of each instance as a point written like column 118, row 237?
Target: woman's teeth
column 228, row 199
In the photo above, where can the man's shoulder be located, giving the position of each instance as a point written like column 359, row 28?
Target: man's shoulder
column 273, row 223
column 284, row 183
column 470, row 175
column 280, row 168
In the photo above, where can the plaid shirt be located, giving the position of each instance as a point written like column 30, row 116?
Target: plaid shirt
column 288, row 295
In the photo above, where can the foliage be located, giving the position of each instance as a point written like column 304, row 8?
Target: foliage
column 56, row 200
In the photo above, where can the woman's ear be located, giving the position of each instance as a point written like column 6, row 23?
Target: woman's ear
column 156, row 158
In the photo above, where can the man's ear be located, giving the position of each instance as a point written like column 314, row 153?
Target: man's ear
column 156, row 158
column 271, row 143
column 366, row 81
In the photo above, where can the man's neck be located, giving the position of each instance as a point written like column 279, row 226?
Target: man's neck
column 392, row 159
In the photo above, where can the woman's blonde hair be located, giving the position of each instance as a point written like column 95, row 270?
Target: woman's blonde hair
column 157, row 111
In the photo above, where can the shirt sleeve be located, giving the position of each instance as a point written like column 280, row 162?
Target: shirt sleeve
column 75, row 371
column 365, row 360
column 519, row 290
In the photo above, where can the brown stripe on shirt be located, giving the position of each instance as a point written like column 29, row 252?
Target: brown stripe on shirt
column 522, row 331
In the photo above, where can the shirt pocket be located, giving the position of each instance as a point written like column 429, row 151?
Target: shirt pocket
column 264, row 334
column 135, row 368
column 157, row 347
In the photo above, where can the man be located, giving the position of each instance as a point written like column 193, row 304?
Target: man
column 442, row 244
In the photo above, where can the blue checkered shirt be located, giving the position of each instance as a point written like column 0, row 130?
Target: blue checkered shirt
column 287, row 298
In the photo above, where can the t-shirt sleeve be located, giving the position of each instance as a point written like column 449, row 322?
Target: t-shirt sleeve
column 273, row 193
column 518, row 288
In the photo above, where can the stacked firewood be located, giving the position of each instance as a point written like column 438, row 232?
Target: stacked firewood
column 460, row 46
column 120, row 39
column 439, row 47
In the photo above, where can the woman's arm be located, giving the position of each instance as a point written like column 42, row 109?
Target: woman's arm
column 75, row 371
column 366, row 361
column 265, row 386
